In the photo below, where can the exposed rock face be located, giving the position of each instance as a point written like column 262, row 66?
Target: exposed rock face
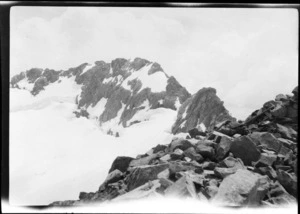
column 122, row 88
column 255, row 166
column 203, row 107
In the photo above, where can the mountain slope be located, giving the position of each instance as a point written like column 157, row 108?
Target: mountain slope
column 116, row 94
column 204, row 107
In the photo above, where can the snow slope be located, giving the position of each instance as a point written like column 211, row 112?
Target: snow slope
column 54, row 155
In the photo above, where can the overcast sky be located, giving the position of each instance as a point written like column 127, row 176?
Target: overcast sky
column 248, row 55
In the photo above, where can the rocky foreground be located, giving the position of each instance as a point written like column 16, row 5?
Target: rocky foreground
column 250, row 163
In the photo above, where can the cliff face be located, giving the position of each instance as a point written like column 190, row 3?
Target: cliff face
column 113, row 93
column 203, row 107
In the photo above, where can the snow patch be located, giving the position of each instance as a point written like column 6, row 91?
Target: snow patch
column 23, row 100
column 177, row 103
column 24, row 84
column 145, row 104
column 202, row 127
column 88, row 67
column 184, row 113
column 107, row 80
column 157, row 82
column 182, row 124
column 96, row 111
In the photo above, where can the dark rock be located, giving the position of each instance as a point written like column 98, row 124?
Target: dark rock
column 177, row 154
column 86, row 196
column 209, row 165
column 121, row 163
column 143, row 174
column 138, row 63
column 159, row 148
column 203, row 107
column 145, row 160
column 288, row 181
column 278, row 195
column 17, row 78
column 223, row 148
column 181, row 166
column 112, row 177
column 267, row 170
column 279, row 111
column 33, row 74
column 39, row 85
column 205, row 151
column 245, row 149
column 155, row 68
column 180, row 143
column 285, row 151
column 193, row 155
column 63, row 203
column 195, row 132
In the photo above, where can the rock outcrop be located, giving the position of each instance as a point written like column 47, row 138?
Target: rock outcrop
column 204, row 107
column 255, row 165
column 113, row 93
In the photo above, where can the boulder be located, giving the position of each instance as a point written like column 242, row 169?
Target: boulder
column 209, row 165
column 288, row 181
column 223, row 148
column 205, row 151
column 177, row 154
column 112, row 177
column 267, row 170
column 159, row 148
column 224, row 172
column 145, row 160
column 267, row 140
column 179, row 143
column 231, row 162
column 287, row 132
column 165, row 158
column 143, row 174
column 181, row 166
column 195, row 132
column 266, row 159
column 121, row 163
column 193, row 155
column 245, row 149
column 242, row 188
column 279, row 196
column 183, row 187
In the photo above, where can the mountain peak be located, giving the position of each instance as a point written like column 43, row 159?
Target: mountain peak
column 112, row 93
column 202, row 108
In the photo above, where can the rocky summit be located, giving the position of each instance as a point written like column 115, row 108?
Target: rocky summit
column 245, row 163
column 114, row 92
column 205, row 108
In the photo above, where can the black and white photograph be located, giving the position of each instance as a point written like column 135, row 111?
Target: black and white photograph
column 170, row 109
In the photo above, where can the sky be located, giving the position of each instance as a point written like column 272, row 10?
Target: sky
column 248, row 55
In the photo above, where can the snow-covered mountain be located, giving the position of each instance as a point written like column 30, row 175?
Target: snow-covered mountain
column 59, row 122
column 116, row 94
